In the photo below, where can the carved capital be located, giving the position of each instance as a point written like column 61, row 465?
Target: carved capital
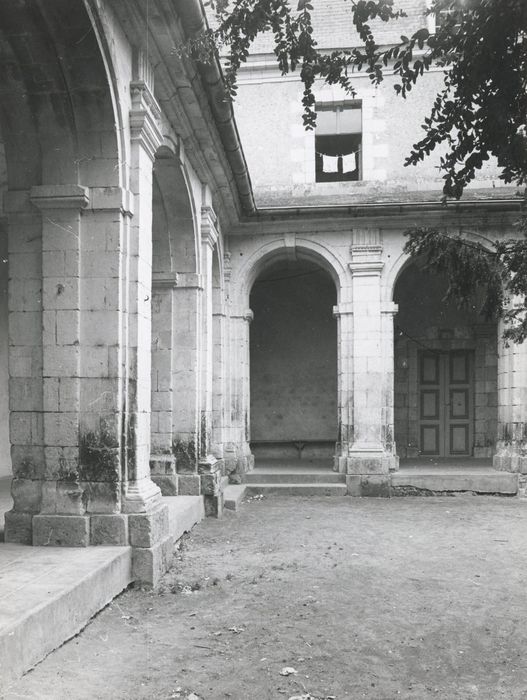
column 144, row 117
column 209, row 229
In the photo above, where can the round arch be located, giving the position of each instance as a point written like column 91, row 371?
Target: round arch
column 403, row 260
column 280, row 248
column 174, row 230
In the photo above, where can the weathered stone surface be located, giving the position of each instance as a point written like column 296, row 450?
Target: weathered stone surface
column 366, row 464
column 61, row 530
column 211, row 483
column 189, row 485
column 167, row 483
column 102, row 496
column 353, row 483
column 109, row 530
column 70, row 498
column 147, row 529
column 377, row 486
column 18, row 527
column 214, row 506
column 27, row 495
column 149, row 564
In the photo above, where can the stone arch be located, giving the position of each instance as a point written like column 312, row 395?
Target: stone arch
column 58, row 119
column 175, row 307
column 294, row 356
column 174, row 230
column 403, row 260
column 283, row 247
column 444, row 369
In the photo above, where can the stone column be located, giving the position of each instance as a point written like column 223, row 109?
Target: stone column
column 511, row 453
column 369, row 456
column 162, row 460
column 238, row 457
column 186, row 380
column 220, row 395
column 26, row 397
column 344, row 315
column 63, row 518
column 210, row 467
column 388, row 311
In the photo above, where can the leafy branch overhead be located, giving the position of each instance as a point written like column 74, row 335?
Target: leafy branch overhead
column 479, row 113
column 481, row 45
column 497, row 272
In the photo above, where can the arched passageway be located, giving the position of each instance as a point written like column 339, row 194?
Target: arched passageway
column 445, row 372
column 293, row 363
column 175, row 327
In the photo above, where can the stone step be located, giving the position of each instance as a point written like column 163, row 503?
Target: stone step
column 297, row 476
column 183, row 513
column 233, row 496
column 48, row 594
column 296, row 489
column 406, row 483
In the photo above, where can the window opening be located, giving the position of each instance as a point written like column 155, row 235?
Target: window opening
column 338, row 143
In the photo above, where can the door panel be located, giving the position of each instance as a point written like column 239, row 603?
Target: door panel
column 446, row 403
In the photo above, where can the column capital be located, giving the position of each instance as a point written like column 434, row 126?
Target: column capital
column 59, row 196
column 144, row 116
column 366, row 252
column 209, row 226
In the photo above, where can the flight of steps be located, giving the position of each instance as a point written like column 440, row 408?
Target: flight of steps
column 287, row 481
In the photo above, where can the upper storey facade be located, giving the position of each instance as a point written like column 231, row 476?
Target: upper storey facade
column 356, row 153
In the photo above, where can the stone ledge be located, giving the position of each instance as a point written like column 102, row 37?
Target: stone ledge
column 59, row 590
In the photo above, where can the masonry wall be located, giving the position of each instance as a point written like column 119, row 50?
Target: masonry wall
column 281, row 154
column 293, row 351
column 5, row 456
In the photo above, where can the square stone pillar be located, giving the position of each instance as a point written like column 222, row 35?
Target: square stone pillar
column 26, row 396
column 210, row 467
column 186, row 380
column 237, row 452
column 511, row 453
column 162, row 460
column 371, row 453
column 220, row 389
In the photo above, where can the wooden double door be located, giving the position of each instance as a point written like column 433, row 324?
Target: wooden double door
column 446, row 403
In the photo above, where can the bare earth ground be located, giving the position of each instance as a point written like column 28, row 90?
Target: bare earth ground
column 402, row 598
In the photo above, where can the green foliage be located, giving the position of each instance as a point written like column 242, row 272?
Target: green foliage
column 500, row 273
column 481, row 44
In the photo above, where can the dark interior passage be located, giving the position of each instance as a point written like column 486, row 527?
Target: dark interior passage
column 293, row 350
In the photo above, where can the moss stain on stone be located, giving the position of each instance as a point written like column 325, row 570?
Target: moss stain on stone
column 99, row 455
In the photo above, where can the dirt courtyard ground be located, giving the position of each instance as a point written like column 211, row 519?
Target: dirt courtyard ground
column 363, row 598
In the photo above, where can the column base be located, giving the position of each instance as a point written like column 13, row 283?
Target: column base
column 163, row 473
column 18, row 527
column 211, row 473
column 366, row 462
column 141, row 496
column 61, row 530
column 238, row 460
column 369, row 485
column 150, row 563
column 511, row 457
